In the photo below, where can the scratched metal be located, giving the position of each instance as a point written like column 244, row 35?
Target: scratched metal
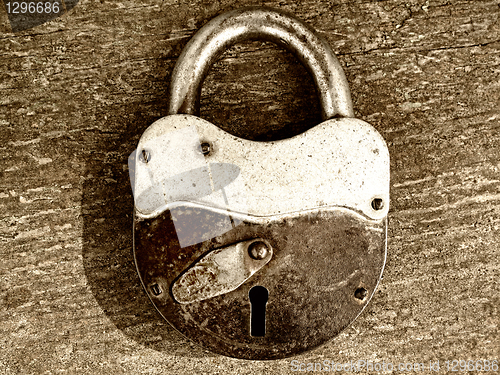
column 324, row 270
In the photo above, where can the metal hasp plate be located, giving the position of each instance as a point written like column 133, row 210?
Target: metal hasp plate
column 260, row 250
column 222, row 271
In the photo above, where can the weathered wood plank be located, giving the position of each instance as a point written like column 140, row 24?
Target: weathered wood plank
column 76, row 94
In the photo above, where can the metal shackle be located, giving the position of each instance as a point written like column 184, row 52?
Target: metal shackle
column 258, row 23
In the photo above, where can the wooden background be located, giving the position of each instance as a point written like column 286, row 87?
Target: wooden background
column 76, row 94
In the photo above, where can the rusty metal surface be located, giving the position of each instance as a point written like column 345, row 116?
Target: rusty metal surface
column 325, row 268
column 263, row 24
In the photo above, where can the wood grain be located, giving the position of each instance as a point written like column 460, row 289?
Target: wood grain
column 76, row 94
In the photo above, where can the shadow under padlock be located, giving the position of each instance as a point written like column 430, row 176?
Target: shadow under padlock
column 178, row 172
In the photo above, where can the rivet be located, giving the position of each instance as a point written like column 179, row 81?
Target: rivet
column 258, row 250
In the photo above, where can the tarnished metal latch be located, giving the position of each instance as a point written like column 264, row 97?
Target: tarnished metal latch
column 222, row 271
column 259, row 250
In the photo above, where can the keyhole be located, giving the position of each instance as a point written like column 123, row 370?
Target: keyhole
column 258, row 299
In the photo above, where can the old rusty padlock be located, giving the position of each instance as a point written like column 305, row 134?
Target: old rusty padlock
column 260, row 250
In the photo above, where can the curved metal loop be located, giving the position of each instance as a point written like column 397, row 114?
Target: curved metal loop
column 259, row 23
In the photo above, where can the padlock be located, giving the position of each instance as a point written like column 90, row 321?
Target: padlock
column 260, row 250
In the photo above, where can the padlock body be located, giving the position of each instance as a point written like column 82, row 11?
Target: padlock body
column 312, row 197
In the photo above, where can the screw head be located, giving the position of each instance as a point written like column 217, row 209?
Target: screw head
column 258, row 250
column 145, row 156
column 361, row 293
column 377, row 204
column 205, row 148
column 156, row 289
